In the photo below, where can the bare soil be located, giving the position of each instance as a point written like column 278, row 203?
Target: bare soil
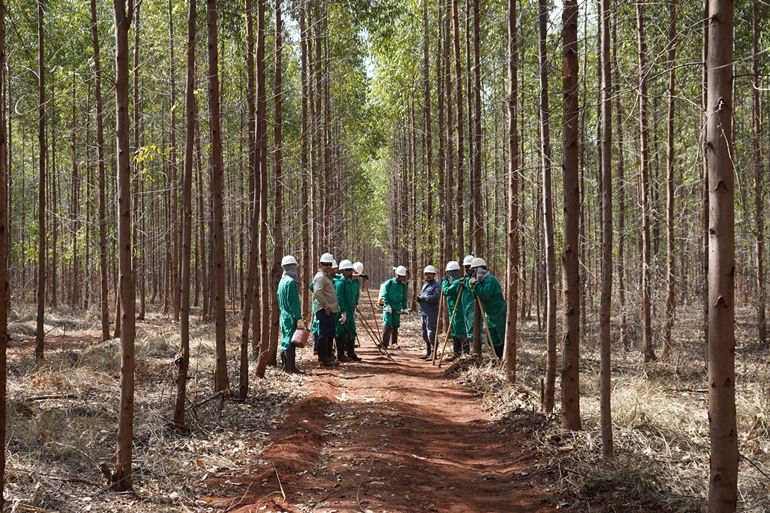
column 397, row 436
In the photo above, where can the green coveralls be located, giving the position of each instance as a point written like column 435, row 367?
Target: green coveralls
column 394, row 294
column 491, row 295
column 467, row 304
column 451, row 290
column 291, row 311
column 346, row 295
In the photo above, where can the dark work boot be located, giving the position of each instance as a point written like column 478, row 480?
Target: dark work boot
column 315, row 343
column 291, row 361
column 350, row 345
column 284, row 365
column 323, row 353
column 466, row 346
column 428, row 351
column 341, row 356
column 330, row 349
column 386, row 330
column 395, row 339
column 457, row 347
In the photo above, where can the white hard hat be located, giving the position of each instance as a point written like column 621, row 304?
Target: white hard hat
column 468, row 259
column 452, row 266
column 288, row 260
column 346, row 264
column 334, row 264
column 358, row 267
column 400, row 270
column 478, row 262
column 327, row 258
column 430, row 270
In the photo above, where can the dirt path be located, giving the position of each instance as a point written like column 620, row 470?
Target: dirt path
column 392, row 436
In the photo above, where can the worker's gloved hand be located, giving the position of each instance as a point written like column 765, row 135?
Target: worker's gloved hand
column 481, row 273
column 300, row 324
column 405, row 311
column 343, row 317
column 358, row 315
column 364, row 276
column 418, row 299
column 388, row 309
column 472, row 281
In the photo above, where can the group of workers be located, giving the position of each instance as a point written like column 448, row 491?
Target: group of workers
column 336, row 292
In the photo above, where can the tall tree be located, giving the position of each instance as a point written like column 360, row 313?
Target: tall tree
column 512, row 253
column 670, row 171
column 759, row 197
column 723, row 478
column 41, row 205
column 182, row 360
column 570, row 367
column 644, row 185
column 460, row 141
column 217, row 179
column 605, row 313
column 275, row 327
column 251, row 274
column 123, row 15
column 307, row 258
column 104, row 307
column 545, row 163
column 173, row 168
column 3, row 257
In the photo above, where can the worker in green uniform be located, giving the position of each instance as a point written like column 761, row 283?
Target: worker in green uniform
column 346, row 290
column 291, row 313
column 394, row 303
column 468, row 306
column 453, row 286
column 488, row 290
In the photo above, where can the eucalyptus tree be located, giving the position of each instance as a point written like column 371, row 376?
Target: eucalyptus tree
column 512, row 242
column 4, row 289
column 124, row 481
column 670, row 171
column 570, row 368
column 723, row 477
column 42, row 162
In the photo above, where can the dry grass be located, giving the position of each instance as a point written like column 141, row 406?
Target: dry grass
column 56, row 444
column 660, row 425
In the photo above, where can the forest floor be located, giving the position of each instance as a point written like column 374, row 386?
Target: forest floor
column 383, row 435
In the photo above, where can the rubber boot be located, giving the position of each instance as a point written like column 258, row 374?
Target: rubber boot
column 395, row 339
column 323, row 353
column 291, row 361
column 386, row 330
column 351, row 348
column 341, row 356
column 284, row 364
column 428, row 351
column 466, row 346
column 457, row 347
column 315, row 343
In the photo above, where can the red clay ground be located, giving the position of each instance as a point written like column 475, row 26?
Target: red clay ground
column 385, row 436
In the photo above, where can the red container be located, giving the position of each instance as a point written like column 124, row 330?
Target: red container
column 300, row 338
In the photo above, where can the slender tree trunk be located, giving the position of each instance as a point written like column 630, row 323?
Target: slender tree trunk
column 621, row 260
column 182, row 359
column 264, row 356
column 570, row 261
column 705, row 182
column 251, row 275
column 445, row 233
column 136, row 251
column 104, row 306
column 550, row 257
column 275, row 327
column 217, row 171
column 4, row 299
column 512, row 253
column 644, row 186
column 173, row 165
column 460, row 138
column 759, row 197
column 307, row 257
column 427, row 126
column 41, row 219
column 605, row 339
column 123, row 16
column 723, row 478
column 670, row 171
